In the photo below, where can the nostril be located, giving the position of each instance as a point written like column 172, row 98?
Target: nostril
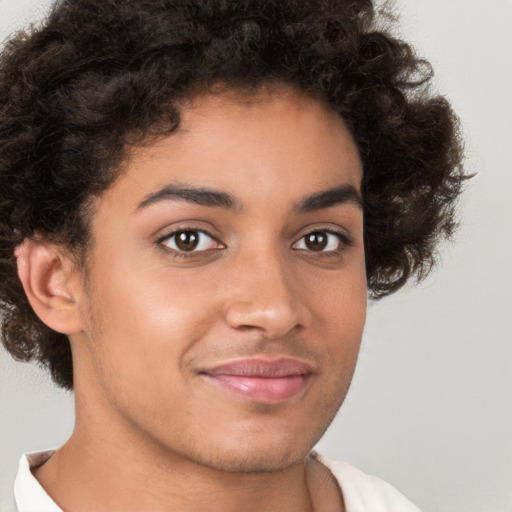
column 274, row 319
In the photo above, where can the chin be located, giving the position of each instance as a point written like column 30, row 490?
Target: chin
column 269, row 452
column 259, row 462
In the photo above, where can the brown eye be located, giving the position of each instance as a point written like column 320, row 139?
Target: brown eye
column 190, row 240
column 324, row 241
column 316, row 241
column 186, row 240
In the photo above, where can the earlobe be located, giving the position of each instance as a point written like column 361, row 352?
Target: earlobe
column 50, row 281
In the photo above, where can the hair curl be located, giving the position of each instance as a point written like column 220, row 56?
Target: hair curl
column 99, row 76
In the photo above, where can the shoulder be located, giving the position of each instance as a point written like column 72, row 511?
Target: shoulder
column 366, row 493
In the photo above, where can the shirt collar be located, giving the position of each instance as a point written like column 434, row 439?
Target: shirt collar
column 30, row 496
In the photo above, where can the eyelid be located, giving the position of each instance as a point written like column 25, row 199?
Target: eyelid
column 184, row 228
column 344, row 238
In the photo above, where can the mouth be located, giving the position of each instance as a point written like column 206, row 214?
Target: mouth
column 260, row 379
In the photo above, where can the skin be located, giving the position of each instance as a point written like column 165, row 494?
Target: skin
column 145, row 319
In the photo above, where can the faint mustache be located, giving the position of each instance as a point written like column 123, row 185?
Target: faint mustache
column 266, row 349
column 261, row 367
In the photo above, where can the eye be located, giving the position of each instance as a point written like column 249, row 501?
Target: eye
column 322, row 241
column 189, row 240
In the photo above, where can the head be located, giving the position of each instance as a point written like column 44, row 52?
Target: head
column 292, row 150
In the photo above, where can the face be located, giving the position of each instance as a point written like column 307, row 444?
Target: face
column 226, row 290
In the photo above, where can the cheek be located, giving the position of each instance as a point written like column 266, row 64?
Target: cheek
column 150, row 319
column 339, row 298
column 339, row 303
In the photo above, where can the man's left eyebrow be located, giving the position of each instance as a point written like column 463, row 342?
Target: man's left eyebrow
column 338, row 195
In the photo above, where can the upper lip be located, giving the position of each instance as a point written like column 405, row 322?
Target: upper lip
column 261, row 367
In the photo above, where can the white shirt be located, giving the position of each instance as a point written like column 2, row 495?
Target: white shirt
column 361, row 492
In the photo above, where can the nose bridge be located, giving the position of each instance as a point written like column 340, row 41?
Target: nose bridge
column 264, row 295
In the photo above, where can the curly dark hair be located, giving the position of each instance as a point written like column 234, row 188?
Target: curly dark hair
column 100, row 76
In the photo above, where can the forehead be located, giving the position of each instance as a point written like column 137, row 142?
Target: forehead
column 275, row 142
column 273, row 116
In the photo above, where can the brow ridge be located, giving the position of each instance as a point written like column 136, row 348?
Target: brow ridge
column 202, row 196
column 209, row 197
column 342, row 194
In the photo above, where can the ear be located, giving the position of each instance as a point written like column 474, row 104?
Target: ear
column 52, row 284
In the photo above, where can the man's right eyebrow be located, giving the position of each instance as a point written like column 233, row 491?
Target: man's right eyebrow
column 202, row 196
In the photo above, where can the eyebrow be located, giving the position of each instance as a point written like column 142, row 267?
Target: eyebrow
column 217, row 198
column 197, row 195
column 332, row 197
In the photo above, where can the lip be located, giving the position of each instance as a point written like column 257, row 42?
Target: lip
column 262, row 379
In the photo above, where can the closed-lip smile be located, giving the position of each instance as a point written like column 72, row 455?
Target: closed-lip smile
column 262, row 379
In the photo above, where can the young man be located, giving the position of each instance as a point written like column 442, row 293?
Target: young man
column 196, row 197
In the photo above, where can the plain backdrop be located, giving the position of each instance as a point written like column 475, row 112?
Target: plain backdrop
column 430, row 407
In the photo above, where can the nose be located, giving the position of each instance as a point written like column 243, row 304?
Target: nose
column 264, row 296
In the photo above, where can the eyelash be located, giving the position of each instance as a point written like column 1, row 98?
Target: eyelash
column 177, row 253
column 344, row 241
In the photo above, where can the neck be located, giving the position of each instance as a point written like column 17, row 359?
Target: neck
column 80, row 479
column 105, row 469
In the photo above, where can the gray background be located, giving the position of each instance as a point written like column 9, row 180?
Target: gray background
column 430, row 408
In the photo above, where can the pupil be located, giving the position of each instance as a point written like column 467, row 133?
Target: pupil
column 316, row 241
column 187, row 240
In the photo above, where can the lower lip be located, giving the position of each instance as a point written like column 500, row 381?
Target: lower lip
column 269, row 390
